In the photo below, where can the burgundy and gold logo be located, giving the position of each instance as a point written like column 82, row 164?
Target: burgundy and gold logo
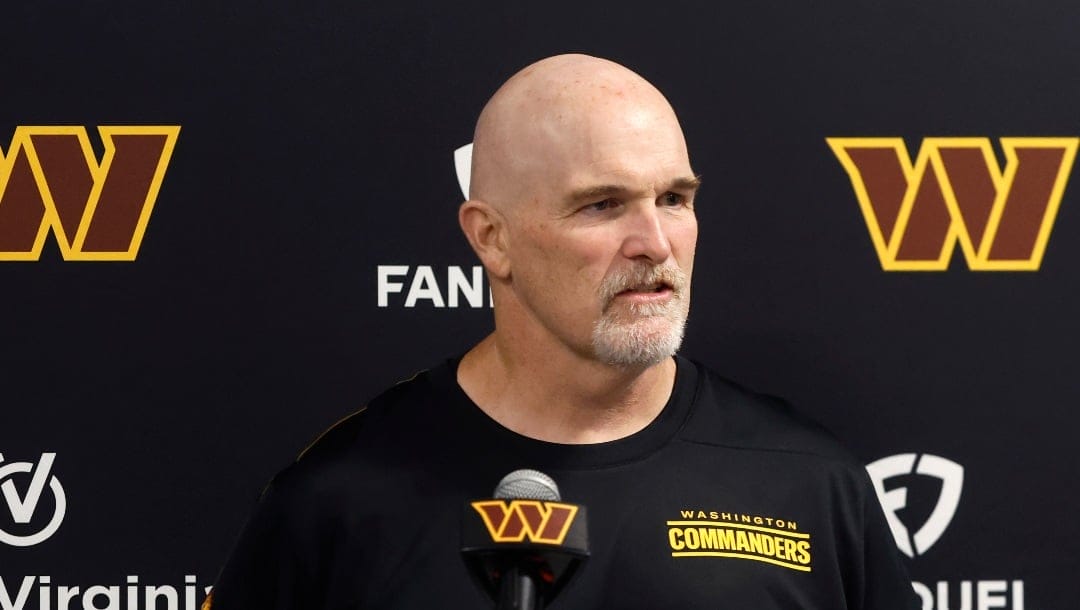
column 517, row 520
column 51, row 180
column 956, row 192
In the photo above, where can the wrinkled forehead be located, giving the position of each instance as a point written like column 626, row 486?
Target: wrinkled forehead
column 611, row 139
column 568, row 121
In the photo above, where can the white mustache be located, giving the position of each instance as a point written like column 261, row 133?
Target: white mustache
column 641, row 276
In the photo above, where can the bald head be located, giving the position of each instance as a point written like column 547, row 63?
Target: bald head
column 560, row 115
column 581, row 208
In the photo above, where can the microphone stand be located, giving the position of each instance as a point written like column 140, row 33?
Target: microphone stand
column 518, row 591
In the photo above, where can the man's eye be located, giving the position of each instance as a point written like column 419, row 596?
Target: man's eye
column 600, row 206
column 673, row 199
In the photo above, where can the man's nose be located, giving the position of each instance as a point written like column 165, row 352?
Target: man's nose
column 646, row 236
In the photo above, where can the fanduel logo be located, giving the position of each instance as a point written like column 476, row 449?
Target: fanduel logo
column 952, row 480
column 463, row 167
column 956, row 192
column 457, row 288
column 453, row 287
column 50, row 180
column 24, row 505
column 968, row 594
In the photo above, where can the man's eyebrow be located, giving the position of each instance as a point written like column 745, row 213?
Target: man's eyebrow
column 600, row 191
column 603, row 191
column 686, row 183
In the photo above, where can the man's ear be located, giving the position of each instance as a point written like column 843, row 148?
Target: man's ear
column 485, row 228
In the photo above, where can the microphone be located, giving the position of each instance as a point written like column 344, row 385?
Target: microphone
column 524, row 546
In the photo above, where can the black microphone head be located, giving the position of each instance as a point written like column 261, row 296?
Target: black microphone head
column 526, row 484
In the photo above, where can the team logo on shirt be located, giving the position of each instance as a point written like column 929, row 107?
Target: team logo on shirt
column 700, row 533
column 518, row 520
column 955, row 192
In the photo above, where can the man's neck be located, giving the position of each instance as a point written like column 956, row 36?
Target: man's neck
column 564, row 399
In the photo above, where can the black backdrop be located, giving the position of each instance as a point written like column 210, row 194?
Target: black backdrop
column 316, row 145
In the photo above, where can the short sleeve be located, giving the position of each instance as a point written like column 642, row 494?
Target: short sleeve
column 272, row 565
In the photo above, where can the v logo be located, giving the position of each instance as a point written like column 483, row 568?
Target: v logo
column 22, row 509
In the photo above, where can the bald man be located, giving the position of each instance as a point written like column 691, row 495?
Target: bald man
column 700, row 494
column 581, row 209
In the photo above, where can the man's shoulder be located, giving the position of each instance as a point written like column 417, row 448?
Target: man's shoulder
column 730, row 415
column 398, row 425
column 393, row 411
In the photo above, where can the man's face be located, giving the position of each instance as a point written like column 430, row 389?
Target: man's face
column 602, row 256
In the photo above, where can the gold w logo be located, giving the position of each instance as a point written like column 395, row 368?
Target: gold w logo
column 51, row 180
column 956, row 192
column 520, row 519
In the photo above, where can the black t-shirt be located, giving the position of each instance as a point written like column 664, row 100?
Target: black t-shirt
column 726, row 500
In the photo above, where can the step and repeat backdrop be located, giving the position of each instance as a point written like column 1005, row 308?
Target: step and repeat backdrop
column 224, row 227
